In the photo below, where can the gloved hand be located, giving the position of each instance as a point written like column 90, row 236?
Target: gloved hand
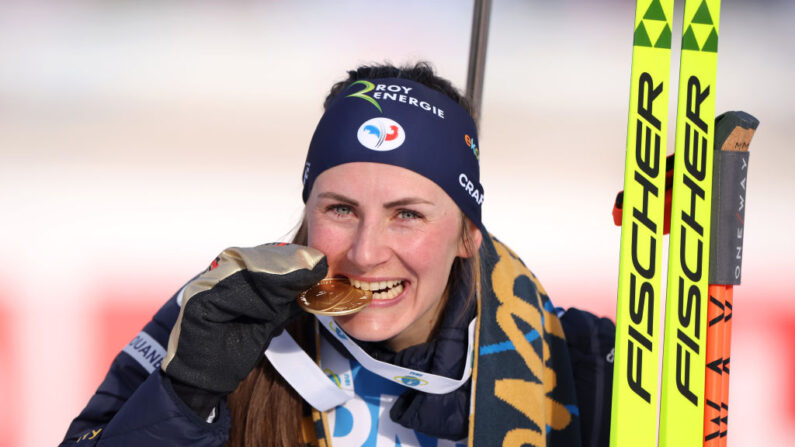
column 229, row 315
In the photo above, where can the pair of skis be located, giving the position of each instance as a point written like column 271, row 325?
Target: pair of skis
column 636, row 390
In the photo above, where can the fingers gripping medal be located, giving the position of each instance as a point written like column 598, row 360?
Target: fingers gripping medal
column 334, row 297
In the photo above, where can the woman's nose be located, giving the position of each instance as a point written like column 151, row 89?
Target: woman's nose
column 370, row 247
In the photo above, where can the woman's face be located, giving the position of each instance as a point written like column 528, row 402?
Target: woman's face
column 392, row 231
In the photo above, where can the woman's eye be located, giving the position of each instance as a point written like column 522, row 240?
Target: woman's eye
column 341, row 210
column 409, row 214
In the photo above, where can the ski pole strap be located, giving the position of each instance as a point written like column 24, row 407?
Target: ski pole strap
column 728, row 214
column 733, row 132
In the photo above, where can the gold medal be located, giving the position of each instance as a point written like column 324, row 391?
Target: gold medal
column 334, row 297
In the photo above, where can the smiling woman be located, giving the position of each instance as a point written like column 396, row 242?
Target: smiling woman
column 380, row 224
column 459, row 344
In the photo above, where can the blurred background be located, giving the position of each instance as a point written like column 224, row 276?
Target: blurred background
column 138, row 139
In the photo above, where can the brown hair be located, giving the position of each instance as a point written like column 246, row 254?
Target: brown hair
column 265, row 410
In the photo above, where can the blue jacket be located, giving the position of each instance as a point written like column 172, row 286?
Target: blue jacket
column 136, row 405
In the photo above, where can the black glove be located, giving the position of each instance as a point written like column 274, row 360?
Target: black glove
column 229, row 315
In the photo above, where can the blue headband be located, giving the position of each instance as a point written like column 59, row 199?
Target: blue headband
column 401, row 123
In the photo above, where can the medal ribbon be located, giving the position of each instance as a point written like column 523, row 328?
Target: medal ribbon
column 306, row 377
column 409, row 378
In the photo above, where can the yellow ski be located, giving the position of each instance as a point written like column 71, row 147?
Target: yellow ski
column 682, row 404
column 636, row 368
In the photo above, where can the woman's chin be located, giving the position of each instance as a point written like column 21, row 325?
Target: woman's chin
column 371, row 328
column 379, row 321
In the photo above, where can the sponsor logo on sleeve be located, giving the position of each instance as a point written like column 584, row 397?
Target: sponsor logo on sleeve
column 146, row 351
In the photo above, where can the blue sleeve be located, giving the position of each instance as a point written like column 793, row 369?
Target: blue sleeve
column 591, row 342
column 136, row 405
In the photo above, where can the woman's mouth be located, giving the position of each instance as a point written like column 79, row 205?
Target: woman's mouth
column 382, row 290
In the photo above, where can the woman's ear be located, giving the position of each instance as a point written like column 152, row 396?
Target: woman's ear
column 471, row 241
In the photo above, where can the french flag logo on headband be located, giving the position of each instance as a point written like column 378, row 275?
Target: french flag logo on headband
column 381, row 134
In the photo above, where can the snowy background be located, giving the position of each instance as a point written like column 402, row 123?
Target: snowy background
column 138, row 139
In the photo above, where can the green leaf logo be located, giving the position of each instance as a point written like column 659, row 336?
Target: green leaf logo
column 368, row 86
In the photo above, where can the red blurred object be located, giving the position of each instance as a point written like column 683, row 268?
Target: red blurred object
column 119, row 317
column 787, row 329
column 10, row 379
column 618, row 205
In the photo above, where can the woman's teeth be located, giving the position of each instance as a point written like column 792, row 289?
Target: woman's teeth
column 382, row 290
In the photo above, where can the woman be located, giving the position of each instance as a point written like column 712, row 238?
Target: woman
column 459, row 344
